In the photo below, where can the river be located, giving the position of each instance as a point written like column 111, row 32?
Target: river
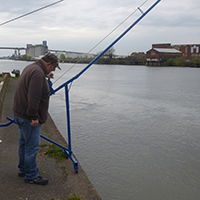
column 135, row 129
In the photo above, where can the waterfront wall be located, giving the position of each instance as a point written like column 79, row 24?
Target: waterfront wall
column 4, row 79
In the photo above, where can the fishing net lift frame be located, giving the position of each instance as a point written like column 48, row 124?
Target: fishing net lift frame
column 68, row 151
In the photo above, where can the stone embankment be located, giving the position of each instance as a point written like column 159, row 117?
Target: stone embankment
column 4, row 78
column 63, row 181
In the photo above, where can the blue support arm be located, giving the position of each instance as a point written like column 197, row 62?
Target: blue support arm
column 8, row 123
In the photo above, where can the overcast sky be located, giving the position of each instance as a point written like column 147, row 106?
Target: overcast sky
column 73, row 25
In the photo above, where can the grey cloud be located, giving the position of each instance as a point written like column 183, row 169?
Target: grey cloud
column 91, row 20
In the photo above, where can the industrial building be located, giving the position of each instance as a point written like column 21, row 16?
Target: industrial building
column 162, row 52
column 189, row 51
column 36, row 51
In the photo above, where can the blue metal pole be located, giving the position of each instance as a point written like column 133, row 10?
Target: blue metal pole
column 68, row 117
column 112, row 44
column 69, row 153
column 53, row 142
column 42, row 136
column 8, row 123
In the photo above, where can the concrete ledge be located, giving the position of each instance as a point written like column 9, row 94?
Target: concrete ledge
column 3, row 86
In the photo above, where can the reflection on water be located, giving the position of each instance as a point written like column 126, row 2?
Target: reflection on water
column 135, row 129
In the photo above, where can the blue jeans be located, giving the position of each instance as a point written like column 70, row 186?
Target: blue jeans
column 29, row 144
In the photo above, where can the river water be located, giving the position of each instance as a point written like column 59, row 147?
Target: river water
column 135, row 129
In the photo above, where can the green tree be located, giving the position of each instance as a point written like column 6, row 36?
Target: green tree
column 195, row 60
column 25, row 57
column 169, row 62
column 62, row 57
column 109, row 53
column 179, row 61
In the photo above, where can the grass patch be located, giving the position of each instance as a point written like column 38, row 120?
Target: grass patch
column 74, row 198
column 54, row 151
column 71, row 198
column 13, row 78
column 43, row 145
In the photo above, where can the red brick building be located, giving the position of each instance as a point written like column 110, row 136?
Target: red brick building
column 189, row 51
column 162, row 52
column 156, row 56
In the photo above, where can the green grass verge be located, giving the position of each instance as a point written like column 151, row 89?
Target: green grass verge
column 54, row 151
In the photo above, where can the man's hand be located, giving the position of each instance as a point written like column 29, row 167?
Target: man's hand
column 50, row 75
column 34, row 122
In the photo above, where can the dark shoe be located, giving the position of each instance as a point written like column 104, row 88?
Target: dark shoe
column 39, row 181
column 23, row 174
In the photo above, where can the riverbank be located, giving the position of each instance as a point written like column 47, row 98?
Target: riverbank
column 130, row 60
column 63, row 181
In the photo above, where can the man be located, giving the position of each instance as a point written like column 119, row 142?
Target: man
column 30, row 108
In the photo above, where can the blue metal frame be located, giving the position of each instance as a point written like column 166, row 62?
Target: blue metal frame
column 8, row 123
column 68, row 152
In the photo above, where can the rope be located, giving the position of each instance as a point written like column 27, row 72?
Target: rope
column 101, row 40
column 29, row 13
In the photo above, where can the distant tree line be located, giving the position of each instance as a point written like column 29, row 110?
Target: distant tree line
column 110, row 58
column 179, row 61
column 129, row 60
column 25, row 57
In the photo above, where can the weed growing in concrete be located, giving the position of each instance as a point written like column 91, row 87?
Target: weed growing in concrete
column 54, row 151
column 74, row 198
column 71, row 198
column 64, row 170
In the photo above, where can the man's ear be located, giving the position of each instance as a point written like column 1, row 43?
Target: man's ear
column 48, row 65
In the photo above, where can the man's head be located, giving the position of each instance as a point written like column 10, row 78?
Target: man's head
column 51, row 59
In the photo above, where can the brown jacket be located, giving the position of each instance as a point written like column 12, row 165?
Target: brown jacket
column 31, row 99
